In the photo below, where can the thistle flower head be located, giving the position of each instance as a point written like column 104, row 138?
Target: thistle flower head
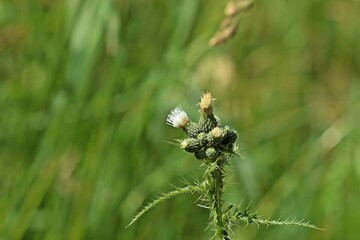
column 206, row 103
column 216, row 132
column 178, row 118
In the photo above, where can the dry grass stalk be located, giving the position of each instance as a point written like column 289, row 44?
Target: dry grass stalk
column 229, row 25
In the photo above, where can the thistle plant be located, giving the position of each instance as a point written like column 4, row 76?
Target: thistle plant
column 214, row 144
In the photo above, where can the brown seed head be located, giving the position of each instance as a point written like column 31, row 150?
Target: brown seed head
column 235, row 7
column 224, row 34
column 230, row 9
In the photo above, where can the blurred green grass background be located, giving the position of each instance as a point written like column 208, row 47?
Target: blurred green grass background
column 85, row 87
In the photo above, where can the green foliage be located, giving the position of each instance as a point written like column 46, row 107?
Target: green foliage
column 85, row 87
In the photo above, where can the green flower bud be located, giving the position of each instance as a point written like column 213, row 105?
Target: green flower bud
column 191, row 145
column 192, row 129
column 214, row 136
column 202, row 138
column 200, row 155
column 207, row 120
column 230, row 136
column 211, row 153
column 206, row 123
column 228, row 141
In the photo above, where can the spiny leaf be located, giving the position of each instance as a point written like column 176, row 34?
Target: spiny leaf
column 188, row 189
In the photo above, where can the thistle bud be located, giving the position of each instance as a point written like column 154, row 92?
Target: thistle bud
column 206, row 104
column 216, row 133
column 200, row 155
column 207, row 120
column 191, row 145
column 214, row 136
column 179, row 119
column 202, row 138
column 211, row 153
column 192, row 129
column 230, row 136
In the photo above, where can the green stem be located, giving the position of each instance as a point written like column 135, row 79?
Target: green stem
column 215, row 194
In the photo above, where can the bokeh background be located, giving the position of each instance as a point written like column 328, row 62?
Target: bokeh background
column 85, row 87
